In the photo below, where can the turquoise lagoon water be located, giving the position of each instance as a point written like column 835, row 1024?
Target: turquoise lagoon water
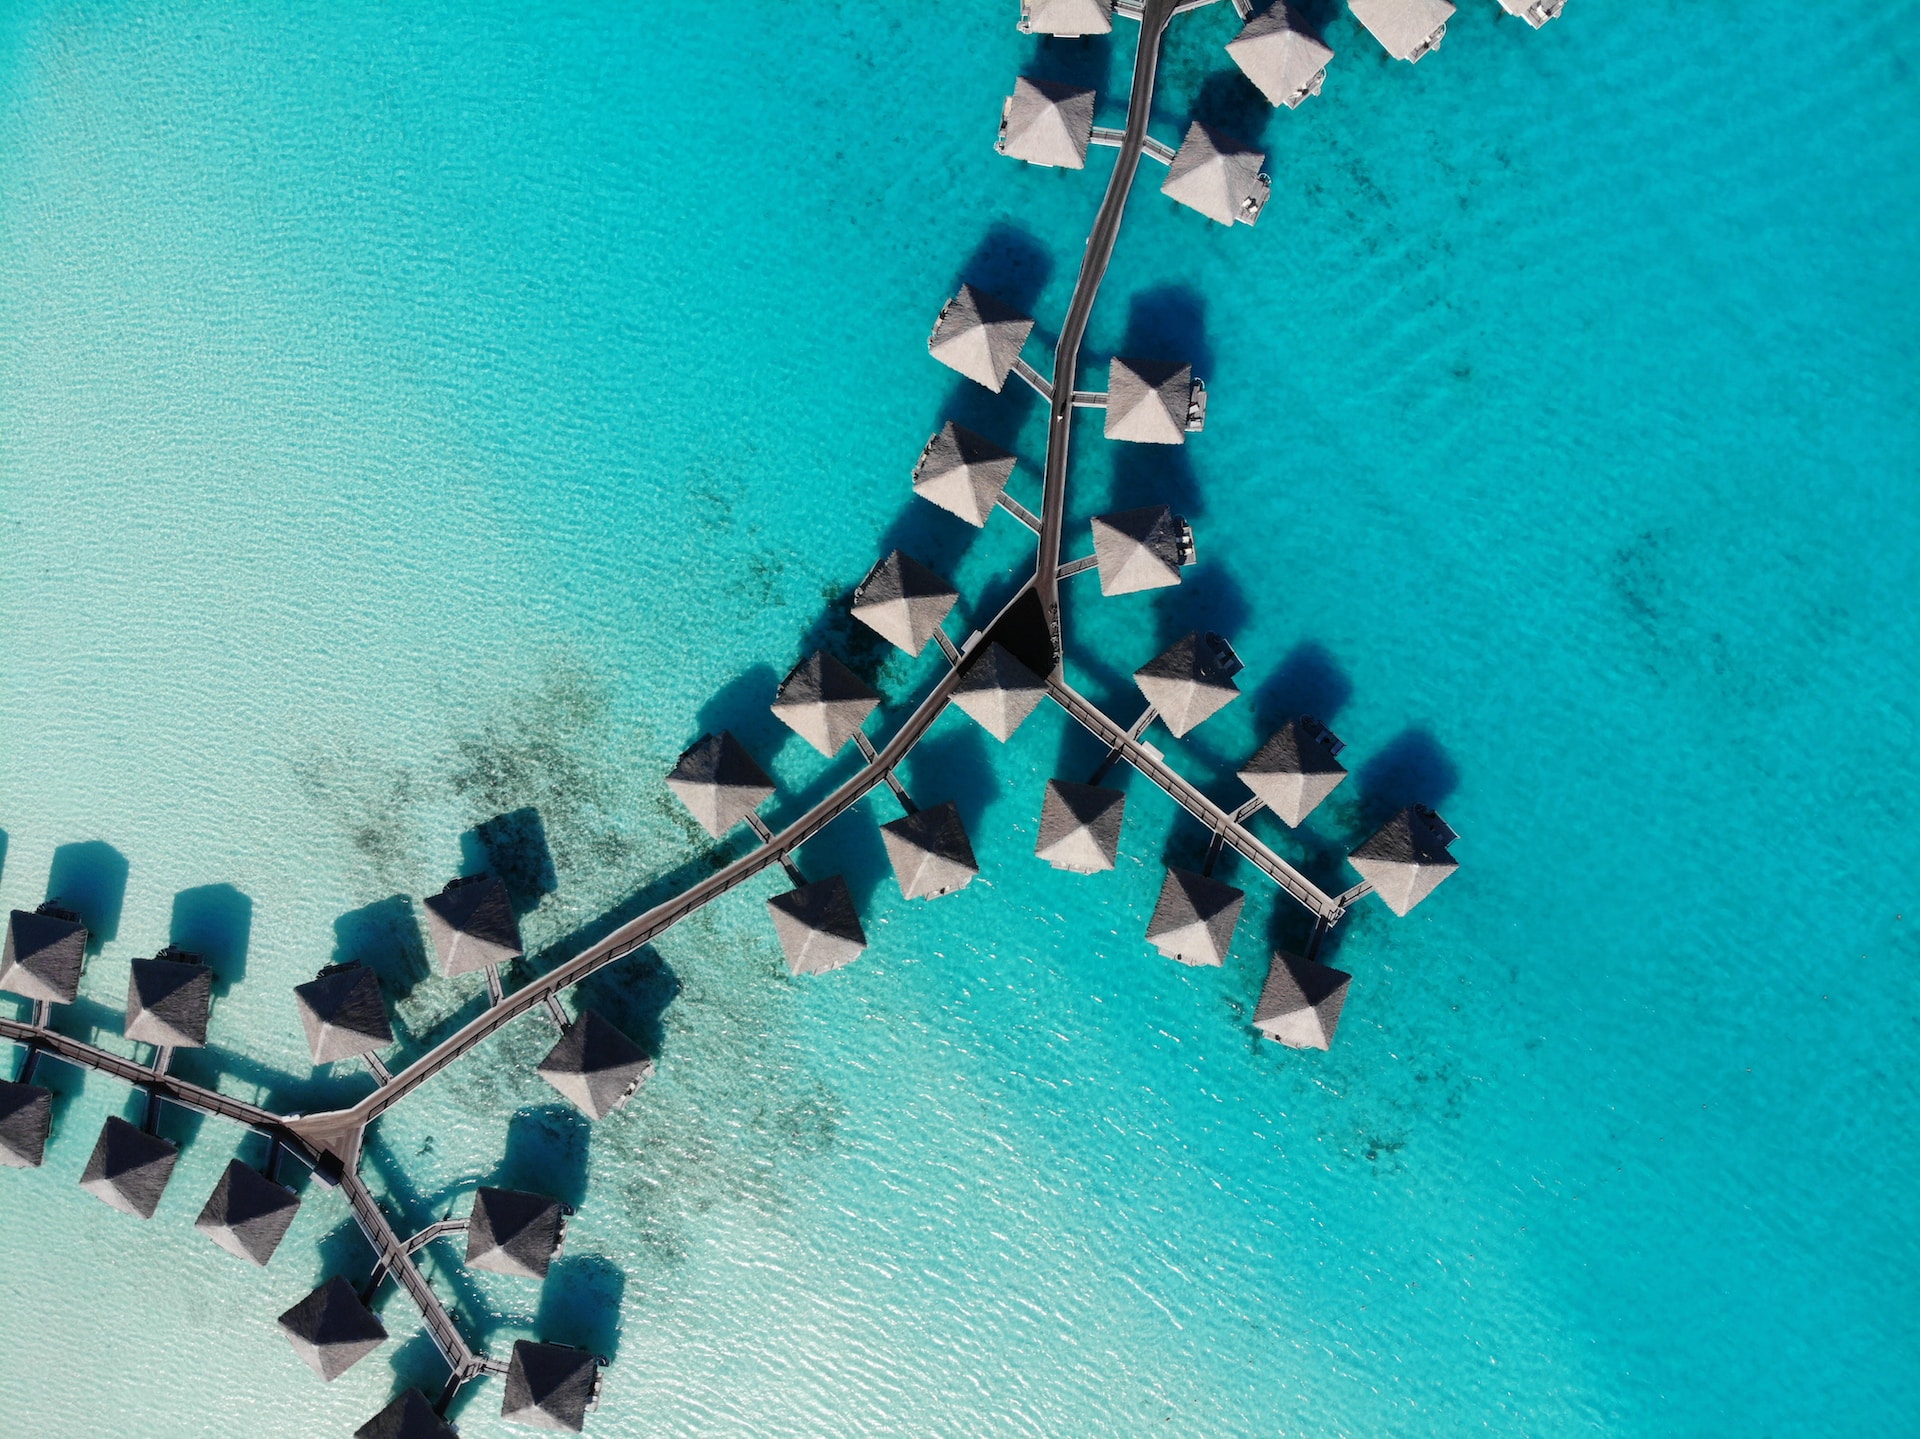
column 412, row 414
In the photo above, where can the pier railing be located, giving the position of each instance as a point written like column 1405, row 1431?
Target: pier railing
column 331, row 1143
column 1153, row 765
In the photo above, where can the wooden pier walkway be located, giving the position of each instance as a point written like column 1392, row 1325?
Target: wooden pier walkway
column 390, row 1251
column 1154, row 16
column 339, row 1131
column 394, row 1256
column 1151, row 763
column 331, row 1143
column 167, row 1086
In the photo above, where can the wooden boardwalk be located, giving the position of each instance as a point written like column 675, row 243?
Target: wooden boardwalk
column 1152, row 764
column 330, row 1143
column 339, row 1131
column 168, row 1087
column 1154, row 16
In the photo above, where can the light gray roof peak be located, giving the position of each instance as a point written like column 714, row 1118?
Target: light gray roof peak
column 1140, row 549
column 473, row 924
column 248, row 1214
column 168, row 1000
column 26, row 1120
column 1301, row 1002
column 979, row 336
column 1149, row 401
column 1218, row 176
column 409, row 1416
column 332, row 1330
column 595, row 1065
column 44, row 952
column 514, row 1232
column 930, row 852
column 823, row 702
column 1194, row 919
column 1045, row 123
column 818, row 926
column 550, row 1386
column 1295, row 769
column 1406, row 858
column 962, row 473
column 719, row 782
column 343, row 1013
column 129, row 1168
column 1066, row 17
column 998, row 692
column 1190, row 681
column 1407, row 29
column 1080, row 826
column 903, row 601
column 1282, row 57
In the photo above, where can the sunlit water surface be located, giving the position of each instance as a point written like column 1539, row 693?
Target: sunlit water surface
column 411, row 414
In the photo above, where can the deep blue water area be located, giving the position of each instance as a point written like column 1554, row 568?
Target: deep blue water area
column 414, row 415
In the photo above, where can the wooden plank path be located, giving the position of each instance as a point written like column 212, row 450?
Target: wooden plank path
column 169, row 1087
column 1154, row 15
column 330, row 1143
column 1149, row 762
column 338, row 1132
column 393, row 1255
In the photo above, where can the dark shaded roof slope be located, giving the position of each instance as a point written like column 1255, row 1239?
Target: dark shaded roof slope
column 550, row 1386
column 514, row 1232
column 595, row 1065
column 248, row 1214
column 343, row 1013
column 332, row 1330
column 1300, row 1005
column 129, row 1168
column 473, row 924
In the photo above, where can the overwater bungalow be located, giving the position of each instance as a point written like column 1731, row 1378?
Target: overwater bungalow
column 1219, row 176
column 930, row 852
column 1153, row 402
column 1535, row 12
column 903, row 602
column 169, row 999
column 818, row 926
column 410, row 1416
column 332, row 1330
column 129, row 1168
column 962, row 473
column 979, row 336
column 514, row 1232
column 1281, row 55
column 1406, row 858
column 1080, row 826
column 44, row 953
column 473, row 925
column 1194, row 919
column 998, row 692
column 248, row 1214
column 1406, row 29
column 1301, row 1002
column 550, row 1386
column 1141, row 549
column 1068, row 18
column 26, row 1120
column 719, row 782
column 343, row 1013
column 1296, row 768
column 823, row 702
column 595, row 1065
column 1045, row 123
column 1191, row 680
